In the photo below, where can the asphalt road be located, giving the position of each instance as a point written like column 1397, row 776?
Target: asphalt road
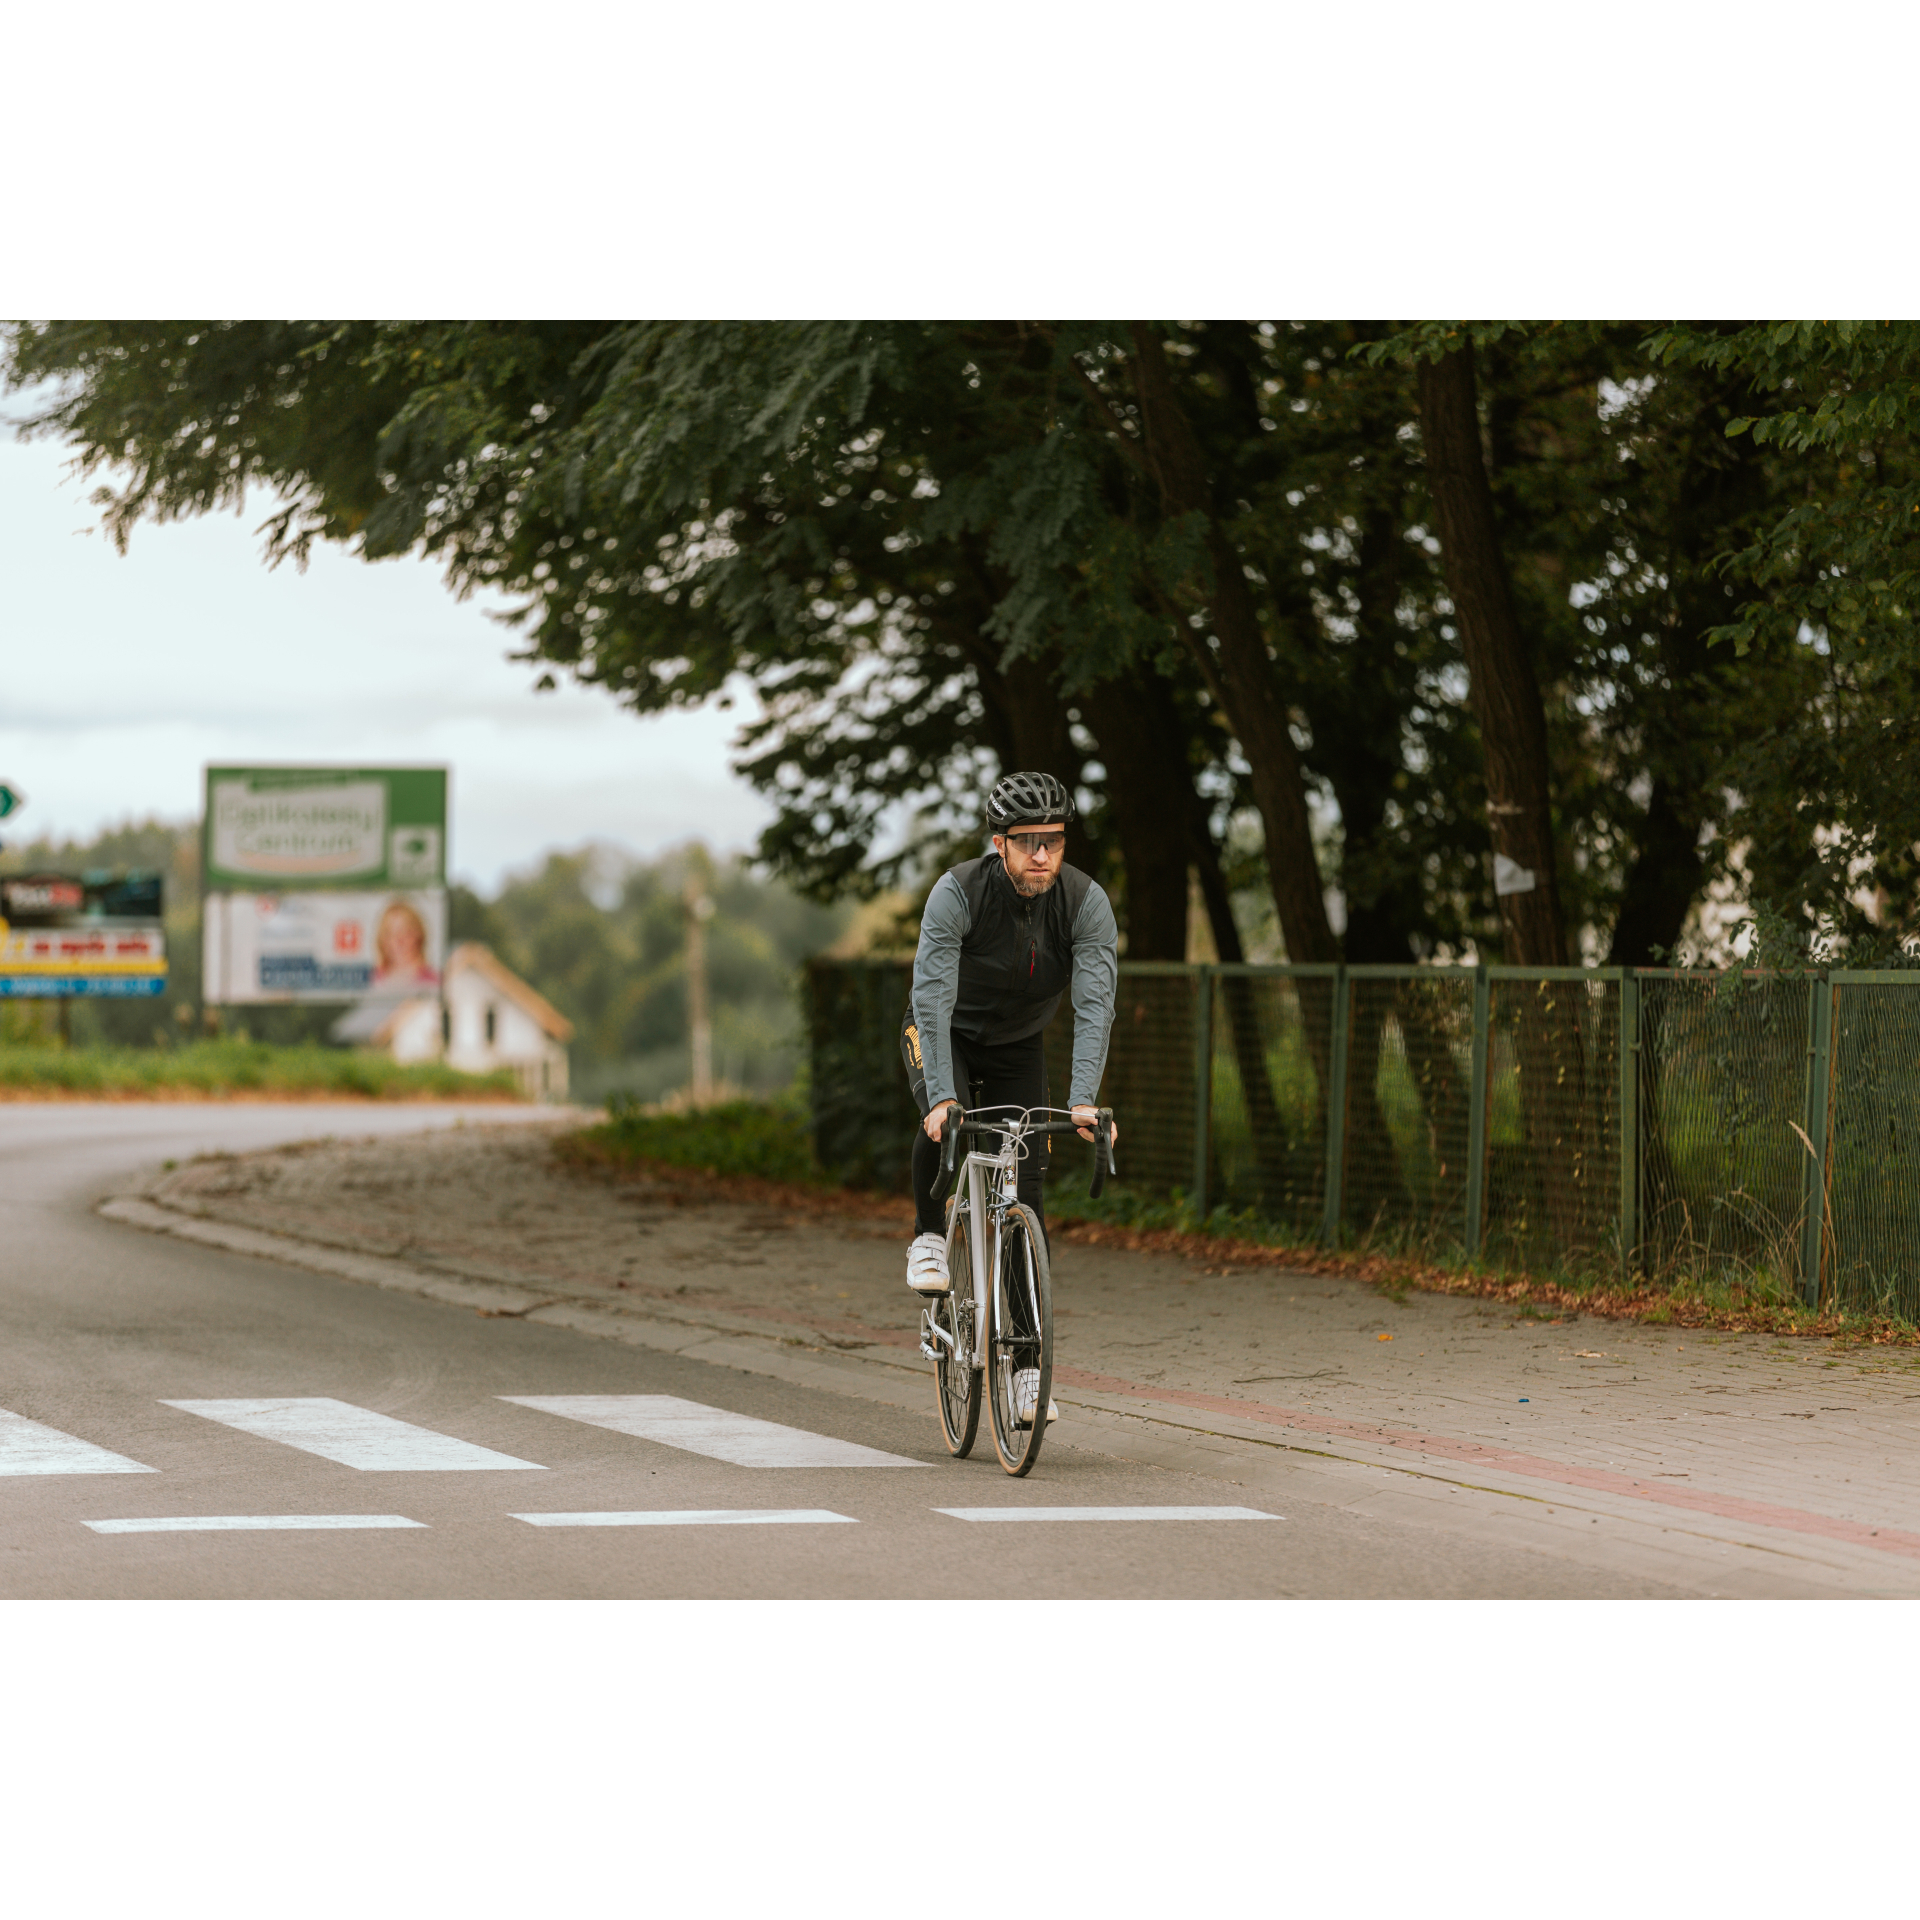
column 398, row 1438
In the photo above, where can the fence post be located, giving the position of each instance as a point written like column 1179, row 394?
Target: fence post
column 1336, row 1108
column 1202, row 1088
column 1477, row 1112
column 1629, row 1118
column 1819, row 1074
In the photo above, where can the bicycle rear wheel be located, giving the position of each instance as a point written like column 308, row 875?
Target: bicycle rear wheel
column 956, row 1378
column 1020, row 1337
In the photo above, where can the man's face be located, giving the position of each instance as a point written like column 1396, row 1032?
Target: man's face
column 1033, row 856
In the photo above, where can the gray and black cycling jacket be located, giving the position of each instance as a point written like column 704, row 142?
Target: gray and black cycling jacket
column 993, row 965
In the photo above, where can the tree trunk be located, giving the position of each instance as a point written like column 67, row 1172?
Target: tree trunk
column 1502, row 687
column 1205, row 857
column 1505, row 695
column 1661, row 881
column 1241, row 675
column 1136, row 725
column 1281, row 1180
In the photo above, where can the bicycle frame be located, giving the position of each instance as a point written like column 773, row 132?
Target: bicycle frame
column 986, row 1204
column 986, row 1263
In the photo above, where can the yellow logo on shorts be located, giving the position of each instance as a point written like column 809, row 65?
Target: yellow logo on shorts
column 913, row 1045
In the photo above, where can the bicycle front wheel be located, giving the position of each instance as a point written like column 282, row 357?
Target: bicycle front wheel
column 956, row 1378
column 1020, row 1338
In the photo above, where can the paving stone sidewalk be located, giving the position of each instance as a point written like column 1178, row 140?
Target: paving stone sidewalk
column 1784, row 1439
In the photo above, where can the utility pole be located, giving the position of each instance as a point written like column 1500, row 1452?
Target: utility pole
column 699, row 905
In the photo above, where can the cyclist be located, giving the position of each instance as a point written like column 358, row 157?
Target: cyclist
column 1001, row 938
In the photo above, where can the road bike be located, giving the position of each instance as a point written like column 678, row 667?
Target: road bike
column 996, row 1319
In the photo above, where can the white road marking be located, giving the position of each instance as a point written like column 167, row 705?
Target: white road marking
column 693, row 1517
column 237, row 1522
column 354, row 1436
column 28, row 1447
column 1107, row 1513
column 734, row 1437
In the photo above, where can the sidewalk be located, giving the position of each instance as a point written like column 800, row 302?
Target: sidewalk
column 1699, row 1463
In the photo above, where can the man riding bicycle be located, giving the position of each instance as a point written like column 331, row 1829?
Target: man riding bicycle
column 1001, row 938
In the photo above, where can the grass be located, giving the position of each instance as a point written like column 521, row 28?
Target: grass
column 215, row 1068
column 769, row 1145
column 1691, row 1293
column 760, row 1140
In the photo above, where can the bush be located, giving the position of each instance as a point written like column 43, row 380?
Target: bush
column 768, row 1139
column 216, row 1067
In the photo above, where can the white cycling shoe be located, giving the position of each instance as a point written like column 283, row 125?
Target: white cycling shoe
column 927, row 1265
column 1026, row 1393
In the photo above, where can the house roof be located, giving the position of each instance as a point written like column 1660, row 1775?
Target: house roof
column 474, row 956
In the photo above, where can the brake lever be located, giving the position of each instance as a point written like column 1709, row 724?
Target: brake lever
column 1102, row 1151
column 949, row 1154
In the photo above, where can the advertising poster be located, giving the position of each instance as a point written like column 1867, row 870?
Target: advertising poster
column 65, row 936
column 265, row 947
column 281, row 829
column 324, row 883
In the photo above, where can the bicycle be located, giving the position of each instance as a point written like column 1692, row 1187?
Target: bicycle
column 1003, row 1326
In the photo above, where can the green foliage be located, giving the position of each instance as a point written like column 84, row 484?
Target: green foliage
column 604, row 938
column 768, row 1140
column 215, row 1067
column 928, row 546
column 1827, row 583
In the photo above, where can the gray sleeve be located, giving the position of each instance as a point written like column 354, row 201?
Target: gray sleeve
column 1096, row 986
column 936, row 983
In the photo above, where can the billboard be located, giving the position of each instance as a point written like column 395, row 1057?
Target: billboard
column 324, row 883
column 291, row 829
column 268, row 947
column 65, row 936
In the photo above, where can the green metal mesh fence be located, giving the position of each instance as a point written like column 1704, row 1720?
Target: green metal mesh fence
column 1408, row 1104
column 1553, row 1114
column 1871, row 1249
column 1149, row 1079
column 1722, row 1171
column 1761, row 1126
column 1270, row 1043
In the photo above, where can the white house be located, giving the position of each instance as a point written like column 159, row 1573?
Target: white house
column 484, row 1018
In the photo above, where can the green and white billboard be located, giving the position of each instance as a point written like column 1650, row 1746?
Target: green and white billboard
column 299, row 829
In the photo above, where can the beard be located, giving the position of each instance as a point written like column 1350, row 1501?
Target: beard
column 1033, row 886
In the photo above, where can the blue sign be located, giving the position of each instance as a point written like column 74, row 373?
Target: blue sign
column 81, row 986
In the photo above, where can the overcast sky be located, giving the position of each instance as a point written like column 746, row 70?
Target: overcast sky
column 121, row 677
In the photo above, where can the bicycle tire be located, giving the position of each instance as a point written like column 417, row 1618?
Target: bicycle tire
column 1011, row 1344
column 956, row 1385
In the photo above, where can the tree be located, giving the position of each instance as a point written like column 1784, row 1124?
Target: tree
column 1829, row 571
column 1208, row 554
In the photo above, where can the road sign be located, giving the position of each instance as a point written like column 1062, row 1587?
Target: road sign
column 11, row 799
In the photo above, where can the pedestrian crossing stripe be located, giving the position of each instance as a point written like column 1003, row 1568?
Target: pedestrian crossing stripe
column 253, row 1522
column 355, row 1436
column 737, row 1438
column 1106, row 1513
column 28, row 1447
column 694, row 1517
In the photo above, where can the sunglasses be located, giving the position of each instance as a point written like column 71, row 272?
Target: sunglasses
column 1032, row 843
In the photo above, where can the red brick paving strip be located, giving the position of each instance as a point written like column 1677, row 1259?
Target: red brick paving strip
column 1502, row 1460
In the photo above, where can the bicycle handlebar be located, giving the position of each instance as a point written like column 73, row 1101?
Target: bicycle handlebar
column 958, row 1127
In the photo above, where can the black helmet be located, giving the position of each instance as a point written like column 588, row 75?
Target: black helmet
column 1027, row 799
